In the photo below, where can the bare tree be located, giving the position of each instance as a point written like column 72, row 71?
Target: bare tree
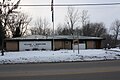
column 63, row 29
column 59, row 29
column 1, row 36
column 84, row 17
column 46, row 26
column 86, row 30
column 48, row 31
column 41, row 27
column 6, row 9
column 94, row 29
column 108, row 40
column 18, row 22
column 115, row 29
column 72, row 18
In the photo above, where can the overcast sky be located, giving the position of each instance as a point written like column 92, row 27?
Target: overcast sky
column 106, row 14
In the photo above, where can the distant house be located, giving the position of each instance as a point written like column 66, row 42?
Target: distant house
column 39, row 42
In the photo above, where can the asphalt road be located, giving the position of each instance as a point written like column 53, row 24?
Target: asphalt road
column 101, row 70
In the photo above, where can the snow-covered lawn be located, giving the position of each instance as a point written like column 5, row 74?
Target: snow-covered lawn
column 58, row 56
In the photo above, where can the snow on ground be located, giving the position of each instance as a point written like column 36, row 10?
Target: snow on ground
column 58, row 56
column 115, row 49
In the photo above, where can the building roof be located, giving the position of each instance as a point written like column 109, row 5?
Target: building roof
column 31, row 37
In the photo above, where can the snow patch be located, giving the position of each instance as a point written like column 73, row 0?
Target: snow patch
column 58, row 56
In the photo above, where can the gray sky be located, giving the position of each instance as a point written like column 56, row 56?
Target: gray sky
column 106, row 14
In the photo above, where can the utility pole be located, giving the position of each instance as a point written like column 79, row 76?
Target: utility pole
column 52, row 9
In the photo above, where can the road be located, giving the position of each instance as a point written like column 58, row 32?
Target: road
column 101, row 70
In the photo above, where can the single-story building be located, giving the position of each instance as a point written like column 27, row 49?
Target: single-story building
column 39, row 42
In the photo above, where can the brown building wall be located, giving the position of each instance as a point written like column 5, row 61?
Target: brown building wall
column 90, row 44
column 59, row 45
column 98, row 44
column 12, row 46
column 62, row 44
column 67, row 44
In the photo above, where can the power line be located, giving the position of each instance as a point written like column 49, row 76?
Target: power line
column 86, row 4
